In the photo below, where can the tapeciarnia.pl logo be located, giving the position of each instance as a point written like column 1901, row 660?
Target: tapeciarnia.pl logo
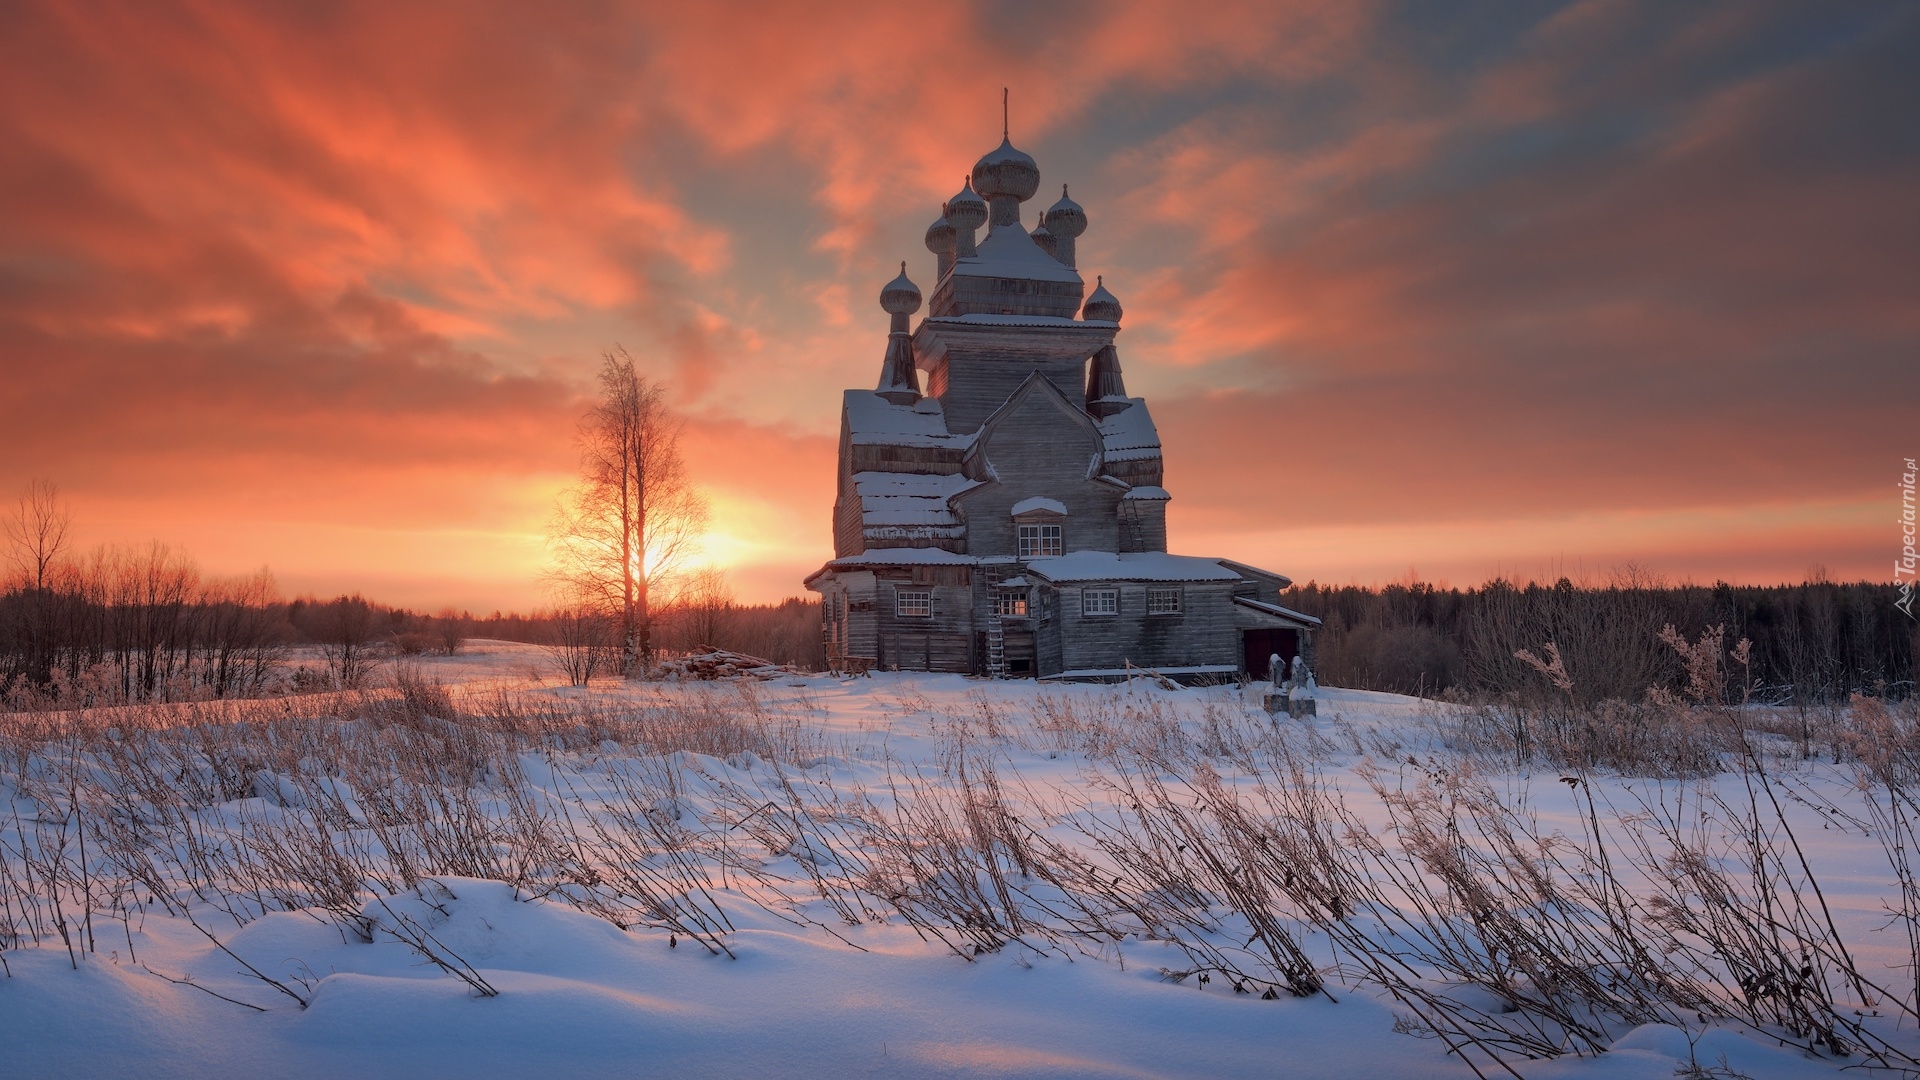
column 1903, row 567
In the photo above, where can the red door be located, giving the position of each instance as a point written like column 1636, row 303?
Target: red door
column 1259, row 645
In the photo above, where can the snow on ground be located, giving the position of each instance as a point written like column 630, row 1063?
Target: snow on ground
column 578, row 996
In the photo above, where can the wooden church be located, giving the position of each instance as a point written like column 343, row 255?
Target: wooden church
column 1009, row 520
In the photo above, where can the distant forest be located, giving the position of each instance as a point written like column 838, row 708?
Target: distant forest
column 144, row 624
column 1813, row 643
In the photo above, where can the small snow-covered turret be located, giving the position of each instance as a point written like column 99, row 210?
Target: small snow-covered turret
column 942, row 239
column 1102, row 306
column 1065, row 221
column 967, row 211
column 1044, row 240
column 1106, row 391
column 899, row 383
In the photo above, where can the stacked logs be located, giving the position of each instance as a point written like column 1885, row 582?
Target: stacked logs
column 708, row 663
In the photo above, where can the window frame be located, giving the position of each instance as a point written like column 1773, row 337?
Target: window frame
column 1041, row 533
column 1161, row 593
column 1005, row 598
column 918, row 597
column 1087, row 597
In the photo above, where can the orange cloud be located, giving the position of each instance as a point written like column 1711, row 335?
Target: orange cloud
column 324, row 289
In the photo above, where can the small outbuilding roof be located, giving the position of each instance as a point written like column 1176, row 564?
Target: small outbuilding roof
column 1277, row 610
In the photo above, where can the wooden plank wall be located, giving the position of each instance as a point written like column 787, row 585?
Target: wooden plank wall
column 1203, row 632
column 1041, row 450
column 944, row 642
column 979, row 386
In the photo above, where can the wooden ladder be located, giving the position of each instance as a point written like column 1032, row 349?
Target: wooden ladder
column 996, row 630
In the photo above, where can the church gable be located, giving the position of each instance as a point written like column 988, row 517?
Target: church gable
column 1039, row 445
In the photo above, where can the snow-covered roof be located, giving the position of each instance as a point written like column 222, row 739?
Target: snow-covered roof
column 1129, row 434
column 890, row 498
column 904, row 556
column 1248, row 570
column 1038, row 502
column 1009, row 252
column 872, row 419
column 1276, row 609
column 1129, row 566
column 988, row 319
column 1145, row 491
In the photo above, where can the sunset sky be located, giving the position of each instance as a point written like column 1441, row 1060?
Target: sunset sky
column 1454, row 290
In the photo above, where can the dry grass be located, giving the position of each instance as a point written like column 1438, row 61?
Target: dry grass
column 1202, row 826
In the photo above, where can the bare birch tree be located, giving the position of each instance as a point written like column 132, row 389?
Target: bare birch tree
column 633, row 518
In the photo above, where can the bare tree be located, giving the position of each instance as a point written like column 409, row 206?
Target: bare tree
column 245, row 634
column 346, row 628
column 705, row 603
column 36, row 536
column 451, row 629
column 634, row 516
column 36, row 533
column 581, row 641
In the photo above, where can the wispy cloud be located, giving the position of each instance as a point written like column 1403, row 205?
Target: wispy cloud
column 270, row 272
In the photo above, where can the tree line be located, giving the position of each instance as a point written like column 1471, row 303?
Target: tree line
column 1813, row 643
column 143, row 623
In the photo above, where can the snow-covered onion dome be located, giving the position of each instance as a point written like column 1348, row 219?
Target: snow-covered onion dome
column 944, row 241
column 1101, row 306
column 1065, row 218
column 900, row 296
column 967, row 211
column 1044, row 239
column 940, row 236
column 1006, row 171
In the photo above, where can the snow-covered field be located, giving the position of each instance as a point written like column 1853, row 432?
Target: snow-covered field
column 807, row 876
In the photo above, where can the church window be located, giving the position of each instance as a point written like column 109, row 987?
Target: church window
column 1038, row 540
column 1011, row 603
column 915, row 603
column 1163, row 601
column 1100, row 602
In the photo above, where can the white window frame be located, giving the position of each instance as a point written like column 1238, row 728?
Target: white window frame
column 1035, row 540
column 1158, row 598
column 913, row 603
column 1099, row 603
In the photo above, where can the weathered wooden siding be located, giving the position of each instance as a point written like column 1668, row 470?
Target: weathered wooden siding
column 943, row 642
column 1046, row 630
column 1203, row 633
column 961, row 294
column 1143, row 525
column 1040, row 448
column 978, row 387
column 862, row 639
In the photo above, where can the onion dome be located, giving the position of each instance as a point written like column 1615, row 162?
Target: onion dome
column 1044, row 239
column 1006, row 171
column 1065, row 218
column 1101, row 306
column 900, row 296
column 940, row 237
column 967, row 210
